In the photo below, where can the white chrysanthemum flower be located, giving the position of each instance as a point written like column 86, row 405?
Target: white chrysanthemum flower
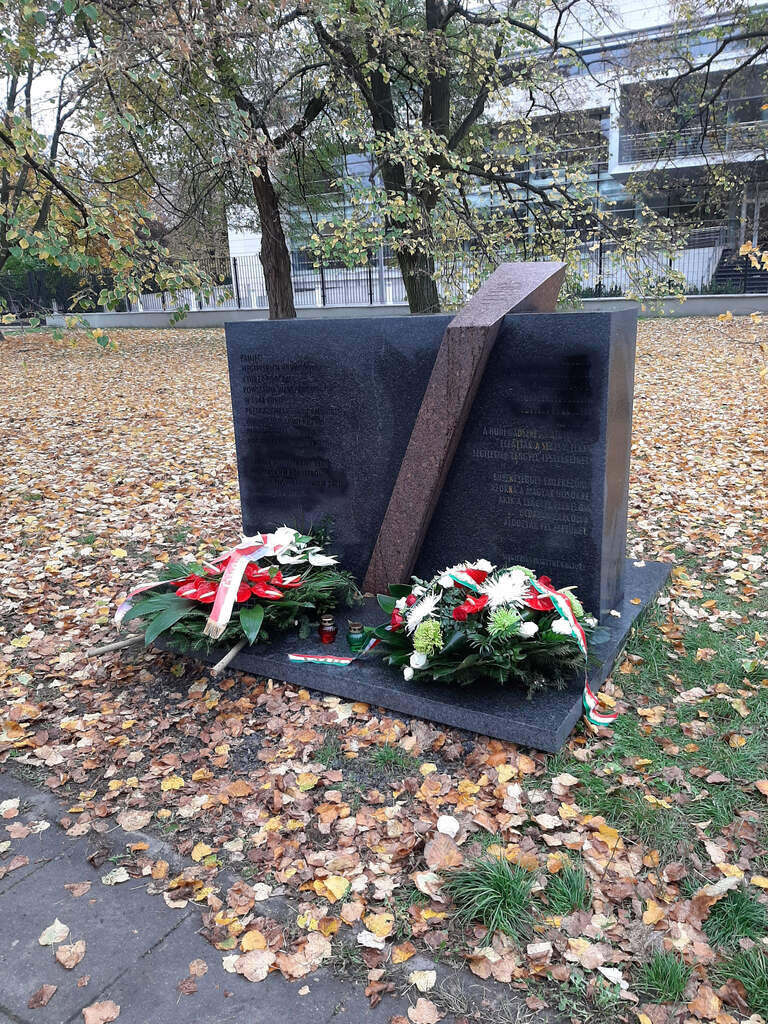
column 590, row 621
column 418, row 659
column 400, row 604
column 421, row 610
column 407, row 673
column 529, row 629
column 561, row 626
column 482, row 564
column 509, row 588
column 445, row 581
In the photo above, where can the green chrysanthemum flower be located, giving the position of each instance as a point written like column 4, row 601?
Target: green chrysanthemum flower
column 576, row 606
column 428, row 637
column 504, row 622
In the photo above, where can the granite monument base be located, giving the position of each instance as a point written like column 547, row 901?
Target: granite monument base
column 503, row 713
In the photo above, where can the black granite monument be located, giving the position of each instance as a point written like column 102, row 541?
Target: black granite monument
column 323, row 413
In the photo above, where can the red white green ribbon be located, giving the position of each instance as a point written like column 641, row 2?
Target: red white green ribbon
column 334, row 659
column 591, row 712
column 563, row 606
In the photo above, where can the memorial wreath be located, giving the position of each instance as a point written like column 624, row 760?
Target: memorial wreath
column 476, row 621
column 269, row 582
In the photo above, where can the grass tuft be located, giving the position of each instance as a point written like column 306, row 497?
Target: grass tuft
column 389, row 758
column 736, row 916
column 663, row 978
column 751, row 969
column 569, row 890
column 496, row 893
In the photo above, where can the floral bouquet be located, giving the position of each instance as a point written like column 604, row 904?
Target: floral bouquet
column 269, row 582
column 475, row 621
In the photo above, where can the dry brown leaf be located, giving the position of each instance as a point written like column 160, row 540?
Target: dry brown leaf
column 42, row 997
column 442, row 853
column 70, row 956
column 101, row 1013
column 706, row 1004
column 424, row 1012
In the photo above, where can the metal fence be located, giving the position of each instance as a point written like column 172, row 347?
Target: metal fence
column 238, row 283
column 702, row 263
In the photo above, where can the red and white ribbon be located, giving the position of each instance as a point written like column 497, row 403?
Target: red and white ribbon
column 250, row 549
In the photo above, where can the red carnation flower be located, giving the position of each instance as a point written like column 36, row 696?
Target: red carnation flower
column 411, row 600
column 397, row 618
column 471, row 606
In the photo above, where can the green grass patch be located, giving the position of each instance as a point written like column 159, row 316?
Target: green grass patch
column 691, row 734
column 736, row 916
column 391, row 759
column 569, row 890
column 329, row 751
column 751, row 969
column 495, row 893
column 664, row 978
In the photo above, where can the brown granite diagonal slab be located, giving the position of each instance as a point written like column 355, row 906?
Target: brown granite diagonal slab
column 458, row 369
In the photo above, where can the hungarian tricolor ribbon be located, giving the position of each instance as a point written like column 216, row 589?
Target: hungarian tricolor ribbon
column 334, row 659
column 563, row 606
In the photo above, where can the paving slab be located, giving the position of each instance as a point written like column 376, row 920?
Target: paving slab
column 117, row 926
column 137, row 948
column 148, row 992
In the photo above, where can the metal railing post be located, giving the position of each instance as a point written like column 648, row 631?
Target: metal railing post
column 322, row 283
column 236, row 280
column 370, row 279
column 382, row 275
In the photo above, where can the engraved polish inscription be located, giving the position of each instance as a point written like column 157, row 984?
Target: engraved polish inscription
column 538, row 464
column 283, row 424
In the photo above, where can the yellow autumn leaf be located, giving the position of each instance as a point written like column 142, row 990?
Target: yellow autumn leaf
column 555, row 863
column 760, row 881
column 730, row 870
column 307, row 780
column 200, row 851
column 608, row 834
column 654, row 912
column 403, row 952
column 380, row 924
column 337, row 886
column 119, row 553
column 254, row 939
column 736, row 740
column 428, row 768
column 172, row 782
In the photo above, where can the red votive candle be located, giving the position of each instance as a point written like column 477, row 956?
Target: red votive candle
column 327, row 629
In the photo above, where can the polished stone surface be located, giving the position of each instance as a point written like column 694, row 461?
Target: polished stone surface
column 456, row 375
column 323, row 413
column 488, row 709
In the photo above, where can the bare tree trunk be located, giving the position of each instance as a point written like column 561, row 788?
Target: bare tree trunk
column 418, row 270
column 275, row 257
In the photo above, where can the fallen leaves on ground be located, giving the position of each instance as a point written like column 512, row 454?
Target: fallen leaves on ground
column 255, row 775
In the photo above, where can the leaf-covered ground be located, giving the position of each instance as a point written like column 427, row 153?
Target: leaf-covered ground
column 113, row 463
